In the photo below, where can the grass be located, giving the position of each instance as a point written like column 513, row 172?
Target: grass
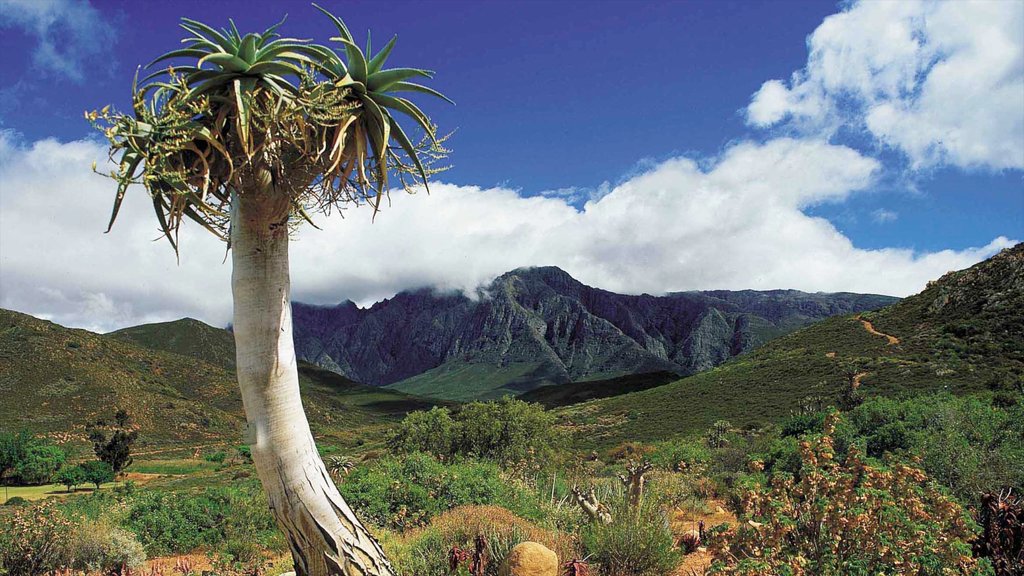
column 45, row 491
column 465, row 382
column 576, row 392
column 178, row 467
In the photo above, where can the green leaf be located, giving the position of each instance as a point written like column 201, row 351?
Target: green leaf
column 199, row 29
column 268, row 34
column 410, row 87
column 342, row 29
column 133, row 164
column 228, row 62
column 377, row 62
column 410, row 150
column 247, row 51
column 409, row 109
column 356, row 62
column 382, row 80
column 182, row 53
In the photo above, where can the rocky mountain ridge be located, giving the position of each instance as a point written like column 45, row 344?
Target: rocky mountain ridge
column 539, row 326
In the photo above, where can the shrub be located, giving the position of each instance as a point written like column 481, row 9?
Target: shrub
column 217, row 457
column 100, row 547
column 15, row 501
column 34, row 540
column 408, row 491
column 175, row 523
column 846, row 518
column 680, row 455
column 637, row 543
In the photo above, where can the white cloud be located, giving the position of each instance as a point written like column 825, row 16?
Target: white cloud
column 71, row 34
column 735, row 221
column 941, row 81
column 884, row 216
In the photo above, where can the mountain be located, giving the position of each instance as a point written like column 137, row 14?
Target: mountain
column 964, row 333
column 187, row 337
column 539, row 326
column 175, row 379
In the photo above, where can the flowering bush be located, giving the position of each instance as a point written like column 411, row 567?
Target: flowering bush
column 846, row 518
column 34, row 540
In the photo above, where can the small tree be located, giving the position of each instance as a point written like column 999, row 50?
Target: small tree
column 113, row 444
column 70, row 476
column 40, row 463
column 97, row 472
column 13, row 449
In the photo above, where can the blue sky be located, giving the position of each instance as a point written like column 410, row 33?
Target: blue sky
column 577, row 102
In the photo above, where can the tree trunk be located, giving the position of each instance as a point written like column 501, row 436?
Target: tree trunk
column 325, row 537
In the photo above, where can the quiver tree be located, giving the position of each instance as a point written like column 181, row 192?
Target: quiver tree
column 246, row 136
column 634, row 480
column 591, row 506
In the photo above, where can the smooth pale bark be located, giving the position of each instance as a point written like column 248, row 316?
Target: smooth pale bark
column 324, row 535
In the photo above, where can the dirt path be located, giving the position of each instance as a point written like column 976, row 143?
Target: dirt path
column 696, row 563
column 180, row 449
column 855, row 382
column 871, row 329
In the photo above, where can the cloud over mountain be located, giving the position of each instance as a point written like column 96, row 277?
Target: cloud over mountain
column 733, row 221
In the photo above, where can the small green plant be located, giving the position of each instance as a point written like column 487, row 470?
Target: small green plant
column 638, row 542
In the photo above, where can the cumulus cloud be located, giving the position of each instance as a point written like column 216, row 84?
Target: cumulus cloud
column 940, row 81
column 734, row 221
column 69, row 34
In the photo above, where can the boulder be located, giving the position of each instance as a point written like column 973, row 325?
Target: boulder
column 530, row 559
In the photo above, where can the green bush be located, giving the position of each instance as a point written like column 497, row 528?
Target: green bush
column 508, row 431
column 169, row 523
column 637, row 543
column 407, row 491
column 680, row 455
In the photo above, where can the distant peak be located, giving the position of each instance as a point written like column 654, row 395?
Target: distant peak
column 542, row 272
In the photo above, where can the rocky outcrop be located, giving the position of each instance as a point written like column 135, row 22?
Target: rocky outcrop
column 566, row 330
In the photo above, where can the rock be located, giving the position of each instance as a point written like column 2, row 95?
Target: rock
column 530, row 559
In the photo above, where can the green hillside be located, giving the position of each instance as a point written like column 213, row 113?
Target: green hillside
column 54, row 380
column 187, row 337
column 576, row 392
column 964, row 333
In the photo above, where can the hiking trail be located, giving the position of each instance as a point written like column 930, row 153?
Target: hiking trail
column 871, row 329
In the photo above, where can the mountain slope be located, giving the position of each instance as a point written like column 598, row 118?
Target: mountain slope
column 964, row 333
column 539, row 326
column 187, row 337
column 54, row 380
